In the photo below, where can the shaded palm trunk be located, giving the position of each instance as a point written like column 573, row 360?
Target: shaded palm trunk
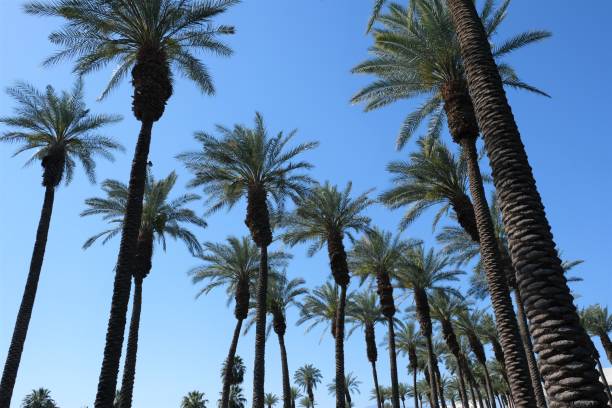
column 422, row 310
column 310, row 396
column 439, row 384
column 129, row 368
column 479, row 352
column 607, row 345
column 393, row 365
column 558, row 336
column 372, row 352
column 340, row 385
column 376, row 388
column 280, row 326
column 13, row 358
column 448, row 333
column 385, row 294
column 229, row 365
column 414, row 385
column 602, row 375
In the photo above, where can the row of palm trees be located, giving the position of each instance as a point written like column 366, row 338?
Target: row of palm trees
column 440, row 49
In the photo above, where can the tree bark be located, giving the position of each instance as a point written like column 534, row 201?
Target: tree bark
column 340, row 385
column 260, row 330
column 604, row 380
column 129, row 368
column 393, row 365
column 229, row 365
column 414, row 386
column 439, row 384
column 422, row 310
column 285, row 368
column 568, row 370
column 13, row 358
column 375, row 376
column 607, row 345
column 107, row 383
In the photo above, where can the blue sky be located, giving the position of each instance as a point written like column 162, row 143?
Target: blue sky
column 292, row 61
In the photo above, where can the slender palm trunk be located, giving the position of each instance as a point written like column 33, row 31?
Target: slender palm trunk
column 489, row 386
column 260, row 330
column 393, row 364
column 471, row 384
column 604, row 380
column 534, row 373
column 452, row 400
column 129, row 368
column 229, row 365
column 414, row 385
column 13, row 358
column 462, row 390
column 607, row 345
column 568, row 369
column 107, row 383
column 285, row 368
column 311, row 396
column 339, row 337
column 439, row 384
column 375, row 375
column 432, row 372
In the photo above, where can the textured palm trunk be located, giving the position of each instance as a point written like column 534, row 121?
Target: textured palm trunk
column 414, row 386
column 393, row 364
column 340, row 385
column 229, row 365
column 462, row 390
column 285, row 369
column 372, row 353
column 349, row 402
column 422, row 310
column 470, row 380
column 260, row 331
column 448, row 333
column 311, row 397
column 568, row 370
column 129, row 368
column 375, row 376
column 13, row 358
column 439, row 384
column 607, row 345
column 387, row 304
column 452, row 400
column 604, row 380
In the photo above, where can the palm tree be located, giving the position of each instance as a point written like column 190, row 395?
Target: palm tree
column 305, row 402
column 161, row 217
column 363, row 311
column 376, row 255
column 236, row 373
column 40, row 398
column 246, row 162
column 59, row 131
column 236, row 398
column 524, row 216
column 407, row 341
column 422, row 272
column 320, row 307
column 117, row 399
column 148, row 39
column 588, row 326
column 598, row 322
column 270, row 399
column 352, row 386
column 235, row 265
column 403, row 393
column 308, row 377
column 295, row 394
column 194, row 399
column 325, row 215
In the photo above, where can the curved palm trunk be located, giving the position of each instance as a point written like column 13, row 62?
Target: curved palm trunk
column 393, row 365
column 107, row 383
column 462, row 390
column 129, row 368
column 229, row 365
column 607, row 345
column 13, row 358
column 285, row 368
column 339, row 337
column 567, row 367
column 375, row 375
column 432, row 372
column 260, row 330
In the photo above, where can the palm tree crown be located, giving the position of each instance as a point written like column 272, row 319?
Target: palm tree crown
column 320, row 307
column 40, row 398
column 194, row 399
column 270, row 399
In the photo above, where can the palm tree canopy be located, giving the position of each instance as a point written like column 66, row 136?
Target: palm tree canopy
column 597, row 320
column 270, row 399
column 350, row 382
column 307, row 376
column 161, row 216
column 320, row 305
column 245, row 158
column 59, row 130
column 363, row 310
column 98, row 32
column 407, row 337
column 40, row 398
column 416, row 53
column 238, row 370
column 444, row 306
column 194, row 399
column 236, row 397
column 426, row 270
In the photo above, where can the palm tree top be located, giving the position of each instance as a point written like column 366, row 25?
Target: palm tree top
column 194, row 399
column 320, row 305
column 59, row 129
column 307, row 376
column 243, row 158
column 445, row 306
column 98, row 32
column 161, row 216
column 39, row 398
column 421, row 269
column 407, row 336
column 363, row 310
column 350, row 382
column 270, row 399
column 597, row 320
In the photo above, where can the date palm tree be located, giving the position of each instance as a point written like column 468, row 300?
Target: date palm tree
column 364, row 312
column 194, row 399
column 161, row 217
column 598, row 323
column 308, row 377
column 422, row 272
column 234, row 264
column 320, row 307
column 236, row 397
column 248, row 162
column 408, row 340
column 376, row 255
column 59, row 130
column 352, row 386
column 270, row 399
column 561, row 341
column 236, row 373
column 40, row 398
column 148, row 40
column 324, row 216
column 295, row 394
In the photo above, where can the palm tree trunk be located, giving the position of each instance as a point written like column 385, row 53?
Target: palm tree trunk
column 505, row 319
column 349, row 402
column 452, row 400
column 607, row 345
column 604, row 380
column 462, row 390
column 414, row 385
column 534, row 373
column 107, row 383
column 471, row 384
column 311, row 397
column 375, row 375
column 339, row 337
column 489, row 386
column 439, row 384
column 260, row 330
column 13, row 358
column 393, row 364
column 432, row 372
column 285, row 368
column 129, row 368
column 554, row 324
column 422, row 310
column 229, row 365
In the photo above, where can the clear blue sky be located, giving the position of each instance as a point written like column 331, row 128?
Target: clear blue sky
column 292, row 61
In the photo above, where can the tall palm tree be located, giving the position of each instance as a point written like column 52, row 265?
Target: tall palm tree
column 407, row 341
column 194, row 399
column 59, row 130
column 236, row 373
column 324, row 216
column 376, row 255
column 363, row 311
column 295, row 394
column 352, row 386
column 236, row 397
column 320, row 307
column 403, row 393
column 235, row 265
column 421, row 272
column 308, row 377
column 148, row 40
column 598, row 322
column 563, row 339
column 270, row 399
column 161, row 217
column 40, row 398
column 248, row 162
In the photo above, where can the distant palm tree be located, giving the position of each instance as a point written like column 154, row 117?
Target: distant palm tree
column 407, row 341
column 161, row 217
column 147, row 40
column 194, row 399
column 403, row 393
column 305, row 402
column 236, row 397
column 235, row 265
column 363, row 311
column 270, row 400
column 308, row 377
column 40, row 398
column 324, row 216
column 295, row 394
column 598, row 322
column 320, row 307
column 376, row 256
column 352, row 386
column 248, row 162
column 59, row 130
